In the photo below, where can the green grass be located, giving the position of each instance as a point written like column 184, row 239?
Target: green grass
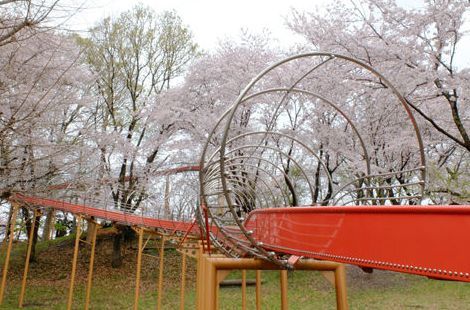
column 114, row 288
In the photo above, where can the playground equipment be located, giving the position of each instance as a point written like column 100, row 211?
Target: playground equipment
column 294, row 176
column 148, row 220
column 272, row 154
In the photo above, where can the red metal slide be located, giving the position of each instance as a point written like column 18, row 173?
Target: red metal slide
column 424, row 240
column 121, row 217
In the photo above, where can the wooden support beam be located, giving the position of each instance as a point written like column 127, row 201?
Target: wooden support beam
column 212, row 293
column 183, row 280
column 200, row 283
column 210, row 266
column 160, row 273
column 78, row 232
column 36, row 213
column 139, row 267
column 243, row 289
column 340, row 285
column 92, row 239
column 12, row 224
column 258, row 289
column 283, row 280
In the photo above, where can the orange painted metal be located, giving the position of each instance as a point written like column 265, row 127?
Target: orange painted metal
column 425, row 240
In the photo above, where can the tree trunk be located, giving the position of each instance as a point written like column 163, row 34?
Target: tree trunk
column 7, row 225
column 90, row 229
column 116, row 258
column 28, row 223
column 166, row 203
column 73, row 227
column 46, row 234
column 27, row 220
column 35, row 239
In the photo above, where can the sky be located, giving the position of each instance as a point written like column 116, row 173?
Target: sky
column 213, row 20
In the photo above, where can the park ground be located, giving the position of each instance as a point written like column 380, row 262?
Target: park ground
column 114, row 288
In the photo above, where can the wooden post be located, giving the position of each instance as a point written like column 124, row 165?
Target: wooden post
column 212, row 293
column 210, row 266
column 258, row 289
column 160, row 274
column 340, row 285
column 199, row 278
column 183, row 281
column 284, row 302
column 243, row 289
column 139, row 266
column 92, row 261
column 7, row 257
column 28, row 256
column 74, row 261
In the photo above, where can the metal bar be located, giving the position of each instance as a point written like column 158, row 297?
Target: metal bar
column 243, row 289
column 258, row 289
column 74, row 262
column 183, row 281
column 160, row 274
column 10, row 242
column 187, row 232
column 139, row 266
column 340, row 285
column 90, row 267
column 208, row 239
column 283, row 278
column 28, row 256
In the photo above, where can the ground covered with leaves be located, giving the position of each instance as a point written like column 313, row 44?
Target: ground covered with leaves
column 113, row 288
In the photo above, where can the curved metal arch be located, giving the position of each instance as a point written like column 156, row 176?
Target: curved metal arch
column 314, row 54
column 285, row 155
column 218, row 161
column 266, row 172
column 213, row 163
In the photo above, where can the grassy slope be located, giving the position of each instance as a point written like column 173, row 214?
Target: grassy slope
column 114, row 288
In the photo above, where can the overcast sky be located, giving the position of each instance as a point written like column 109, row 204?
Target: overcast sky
column 212, row 20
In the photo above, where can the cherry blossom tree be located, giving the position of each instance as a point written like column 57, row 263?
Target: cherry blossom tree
column 42, row 90
column 416, row 49
column 136, row 57
column 216, row 79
